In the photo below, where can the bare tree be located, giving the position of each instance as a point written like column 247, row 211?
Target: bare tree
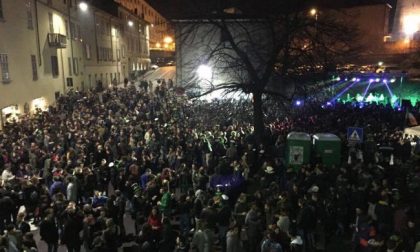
column 271, row 49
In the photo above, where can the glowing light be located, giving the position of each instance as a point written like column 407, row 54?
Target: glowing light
column 83, row 6
column 371, row 80
column 168, row 40
column 130, row 23
column 380, row 63
column 329, row 103
column 359, row 98
column 204, row 72
column 411, row 25
column 313, row 12
column 354, row 79
column 385, row 81
column 39, row 103
column 392, row 80
column 298, row 103
column 377, row 80
column 158, row 45
column 338, row 79
column 358, row 79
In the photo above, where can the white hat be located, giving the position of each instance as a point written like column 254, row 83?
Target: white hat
column 269, row 169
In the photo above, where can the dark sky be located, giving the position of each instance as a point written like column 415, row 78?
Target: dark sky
column 168, row 7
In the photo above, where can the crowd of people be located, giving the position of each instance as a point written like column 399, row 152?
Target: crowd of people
column 191, row 176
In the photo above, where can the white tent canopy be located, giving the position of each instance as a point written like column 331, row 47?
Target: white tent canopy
column 414, row 131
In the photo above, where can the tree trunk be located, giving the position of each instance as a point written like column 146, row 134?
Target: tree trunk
column 258, row 117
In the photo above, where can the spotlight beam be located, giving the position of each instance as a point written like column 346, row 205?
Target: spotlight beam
column 389, row 89
column 343, row 91
column 367, row 89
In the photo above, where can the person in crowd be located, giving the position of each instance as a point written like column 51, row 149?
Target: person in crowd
column 48, row 230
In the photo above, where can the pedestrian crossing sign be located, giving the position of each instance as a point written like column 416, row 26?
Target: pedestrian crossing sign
column 355, row 135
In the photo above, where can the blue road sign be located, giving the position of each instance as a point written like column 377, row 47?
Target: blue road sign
column 355, row 135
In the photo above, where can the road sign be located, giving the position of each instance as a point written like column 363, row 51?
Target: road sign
column 355, row 135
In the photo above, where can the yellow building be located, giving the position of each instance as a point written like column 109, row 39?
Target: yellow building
column 49, row 47
column 159, row 28
column 117, row 47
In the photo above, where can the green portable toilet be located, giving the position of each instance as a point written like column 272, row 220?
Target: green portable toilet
column 298, row 149
column 328, row 147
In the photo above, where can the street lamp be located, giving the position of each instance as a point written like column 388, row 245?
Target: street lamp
column 83, row 6
column 313, row 12
column 130, row 23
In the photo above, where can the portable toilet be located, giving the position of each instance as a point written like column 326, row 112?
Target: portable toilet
column 328, row 147
column 298, row 148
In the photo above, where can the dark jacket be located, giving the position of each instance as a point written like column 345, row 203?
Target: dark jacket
column 48, row 231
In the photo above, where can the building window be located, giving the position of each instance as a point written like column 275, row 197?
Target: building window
column 78, row 35
column 1, row 10
column 4, row 65
column 69, row 82
column 54, row 66
column 29, row 15
column 87, row 46
column 66, row 24
column 75, row 66
column 51, row 22
column 72, row 30
column 34, row 68
column 69, row 65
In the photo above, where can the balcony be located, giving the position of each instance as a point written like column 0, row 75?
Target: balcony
column 57, row 40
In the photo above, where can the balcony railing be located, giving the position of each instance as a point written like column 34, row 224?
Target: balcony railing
column 57, row 40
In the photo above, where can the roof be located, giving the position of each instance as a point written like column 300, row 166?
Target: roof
column 110, row 7
column 299, row 136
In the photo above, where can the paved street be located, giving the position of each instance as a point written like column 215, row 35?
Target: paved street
column 166, row 72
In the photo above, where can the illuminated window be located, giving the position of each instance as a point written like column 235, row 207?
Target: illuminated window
column 4, row 65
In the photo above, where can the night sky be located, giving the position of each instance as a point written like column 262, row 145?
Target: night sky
column 167, row 7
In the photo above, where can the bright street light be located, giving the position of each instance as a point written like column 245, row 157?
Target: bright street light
column 83, row 6
column 313, row 12
column 130, row 23
column 204, row 72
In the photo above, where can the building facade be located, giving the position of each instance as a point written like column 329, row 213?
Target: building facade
column 159, row 26
column 49, row 47
column 162, row 43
